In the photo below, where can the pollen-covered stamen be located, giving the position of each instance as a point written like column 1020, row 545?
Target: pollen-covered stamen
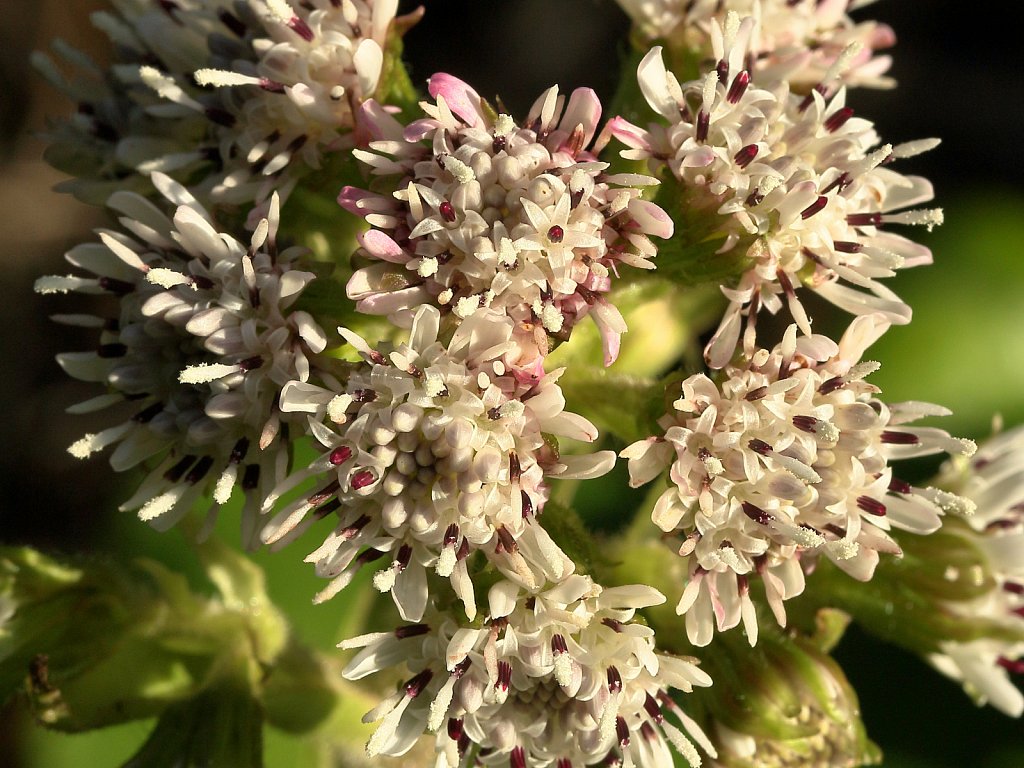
column 563, row 661
column 826, row 430
column 871, row 506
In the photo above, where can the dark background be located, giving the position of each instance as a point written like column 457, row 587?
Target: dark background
column 959, row 72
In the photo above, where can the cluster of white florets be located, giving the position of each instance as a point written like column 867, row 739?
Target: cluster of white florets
column 485, row 213
column 240, row 98
column 201, row 343
column 799, row 185
column 784, row 459
column 796, row 42
column 556, row 675
column 433, row 453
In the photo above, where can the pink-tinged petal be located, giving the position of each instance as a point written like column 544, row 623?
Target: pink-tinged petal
column 584, row 109
column 914, row 190
column 859, row 303
column 588, row 466
column 374, row 122
column 350, row 197
column 388, row 303
column 419, row 129
column 460, row 98
column 611, row 325
column 629, row 134
column 380, row 246
column 651, row 218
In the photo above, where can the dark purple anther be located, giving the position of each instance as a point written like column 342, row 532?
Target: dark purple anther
column 806, row 423
column 722, row 70
column 653, row 709
column 251, row 363
column 251, row 477
column 614, row 680
column 451, row 535
column 760, row 447
column 174, row 474
column 411, row 630
column 622, row 731
column 198, row 472
column 899, row 438
column 146, row 415
column 361, row 479
column 319, row 497
column 900, row 486
column 756, row 394
column 504, row 676
column 527, row 504
column 831, row 385
column 738, row 87
column 558, row 644
column 871, row 506
column 846, row 246
column 838, row 119
column 703, row 125
column 447, row 211
column 518, row 758
column 414, row 687
column 756, row 514
column 556, row 234
column 454, row 728
column 232, row 22
column 271, row 86
column 745, row 156
column 814, row 207
column 864, row 219
column 515, row 471
column 340, row 455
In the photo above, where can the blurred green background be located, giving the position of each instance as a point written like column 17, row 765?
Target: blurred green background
column 964, row 349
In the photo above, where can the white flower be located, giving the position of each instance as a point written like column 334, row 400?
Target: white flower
column 557, row 676
column 239, row 97
column 993, row 482
column 437, row 451
column 795, row 41
column 795, row 185
column 522, row 220
column 785, row 459
column 201, row 344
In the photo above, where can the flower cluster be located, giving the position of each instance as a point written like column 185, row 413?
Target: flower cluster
column 433, row 453
column 993, row 480
column 238, row 98
column 555, row 676
column 786, row 459
column 203, row 339
column 797, row 184
column 796, row 42
column 486, row 213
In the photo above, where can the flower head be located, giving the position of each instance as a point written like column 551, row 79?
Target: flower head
column 798, row 42
column 557, row 676
column 202, row 341
column 797, row 186
column 486, row 213
column 993, row 481
column 786, row 459
column 432, row 452
column 243, row 97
